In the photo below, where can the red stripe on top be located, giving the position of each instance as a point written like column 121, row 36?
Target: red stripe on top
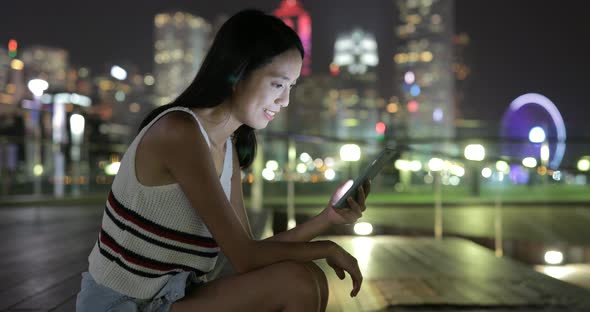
column 150, row 228
column 135, row 260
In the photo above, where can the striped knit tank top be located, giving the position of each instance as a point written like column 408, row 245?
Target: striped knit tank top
column 150, row 233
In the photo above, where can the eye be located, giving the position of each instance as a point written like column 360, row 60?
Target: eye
column 277, row 85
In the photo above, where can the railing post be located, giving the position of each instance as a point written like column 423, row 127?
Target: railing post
column 292, row 155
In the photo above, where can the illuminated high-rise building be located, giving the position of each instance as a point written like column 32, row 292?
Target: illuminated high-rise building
column 47, row 63
column 461, row 70
column 6, row 88
column 79, row 80
column 352, row 104
column 293, row 14
column 344, row 104
column 181, row 41
column 15, row 87
column 4, row 67
column 423, row 70
column 12, row 79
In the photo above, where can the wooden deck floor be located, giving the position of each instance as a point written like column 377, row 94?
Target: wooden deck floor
column 44, row 250
column 422, row 274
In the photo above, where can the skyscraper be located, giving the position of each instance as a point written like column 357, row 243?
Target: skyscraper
column 460, row 69
column 181, row 41
column 353, row 103
column 423, row 70
column 4, row 67
column 293, row 14
column 47, row 63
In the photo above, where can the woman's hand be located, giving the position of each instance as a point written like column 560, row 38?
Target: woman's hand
column 355, row 208
column 340, row 260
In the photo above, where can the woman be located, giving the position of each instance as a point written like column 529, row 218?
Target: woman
column 177, row 198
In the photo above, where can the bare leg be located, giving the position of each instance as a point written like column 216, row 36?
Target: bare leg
column 284, row 286
column 321, row 284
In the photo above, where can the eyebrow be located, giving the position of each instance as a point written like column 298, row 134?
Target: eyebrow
column 283, row 77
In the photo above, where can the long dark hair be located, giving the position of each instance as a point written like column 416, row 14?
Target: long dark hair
column 247, row 41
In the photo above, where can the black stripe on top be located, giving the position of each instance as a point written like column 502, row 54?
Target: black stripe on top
column 148, row 239
column 122, row 264
column 200, row 240
column 141, row 260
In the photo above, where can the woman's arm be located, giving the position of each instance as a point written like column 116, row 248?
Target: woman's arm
column 328, row 217
column 237, row 196
column 319, row 224
column 306, row 231
column 186, row 155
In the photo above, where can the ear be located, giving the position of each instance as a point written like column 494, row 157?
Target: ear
column 233, row 79
column 237, row 85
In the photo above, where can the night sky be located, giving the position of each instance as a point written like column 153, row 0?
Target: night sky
column 516, row 46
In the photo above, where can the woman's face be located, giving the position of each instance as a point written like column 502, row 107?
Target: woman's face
column 259, row 98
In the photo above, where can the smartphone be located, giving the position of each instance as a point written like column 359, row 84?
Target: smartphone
column 369, row 173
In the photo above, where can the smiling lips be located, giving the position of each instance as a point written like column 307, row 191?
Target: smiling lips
column 270, row 115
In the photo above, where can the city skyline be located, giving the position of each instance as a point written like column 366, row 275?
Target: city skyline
column 514, row 48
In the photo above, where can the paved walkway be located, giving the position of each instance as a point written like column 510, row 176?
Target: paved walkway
column 43, row 250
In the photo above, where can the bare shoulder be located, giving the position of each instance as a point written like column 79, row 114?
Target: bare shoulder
column 174, row 128
column 174, row 134
column 174, row 125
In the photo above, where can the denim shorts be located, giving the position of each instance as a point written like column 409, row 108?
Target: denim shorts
column 94, row 297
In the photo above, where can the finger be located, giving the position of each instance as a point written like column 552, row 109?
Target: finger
column 355, row 208
column 360, row 197
column 367, row 187
column 344, row 212
column 357, row 280
column 339, row 273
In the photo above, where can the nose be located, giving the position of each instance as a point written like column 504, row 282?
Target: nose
column 283, row 99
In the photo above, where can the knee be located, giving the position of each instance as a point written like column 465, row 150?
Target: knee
column 321, row 282
column 306, row 283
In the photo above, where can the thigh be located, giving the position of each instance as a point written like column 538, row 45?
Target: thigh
column 265, row 289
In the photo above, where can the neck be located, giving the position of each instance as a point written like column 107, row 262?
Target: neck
column 219, row 122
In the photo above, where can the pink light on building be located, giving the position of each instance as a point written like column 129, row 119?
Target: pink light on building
column 293, row 14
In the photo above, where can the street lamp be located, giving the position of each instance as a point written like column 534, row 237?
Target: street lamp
column 37, row 87
column 350, row 153
column 436, row 165
column 363, row 228
column 118, row 72
column 584, row 164
column 77, row 133
column 529, row 162
column 502, row 167
column 553, row 257
column 474, row 152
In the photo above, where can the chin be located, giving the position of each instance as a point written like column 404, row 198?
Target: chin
column 258, row 125
column 261, row 126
